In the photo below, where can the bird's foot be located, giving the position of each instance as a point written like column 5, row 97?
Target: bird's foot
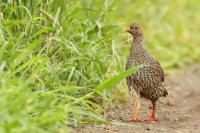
column 151, row 118
column 135, row 120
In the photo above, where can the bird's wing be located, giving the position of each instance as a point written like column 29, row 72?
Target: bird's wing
column 149, row 76
column 160, row 71
column 157, row 68
column 150, row 81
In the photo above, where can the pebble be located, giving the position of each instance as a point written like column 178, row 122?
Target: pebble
column 149, row 127
column 171, row 102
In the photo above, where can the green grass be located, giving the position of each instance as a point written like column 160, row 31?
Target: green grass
column 58, row 57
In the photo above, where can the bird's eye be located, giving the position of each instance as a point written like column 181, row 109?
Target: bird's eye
column 131, row 27
column 136, row 28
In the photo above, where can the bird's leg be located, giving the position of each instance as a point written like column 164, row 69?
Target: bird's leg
column 153, row 116
column 135, row 117
column 136, row 112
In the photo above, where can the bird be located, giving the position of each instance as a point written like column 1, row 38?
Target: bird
column 148, row 81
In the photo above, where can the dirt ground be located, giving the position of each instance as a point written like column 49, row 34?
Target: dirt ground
column 179, row 112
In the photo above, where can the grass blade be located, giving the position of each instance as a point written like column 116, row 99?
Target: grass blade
column 114, row 80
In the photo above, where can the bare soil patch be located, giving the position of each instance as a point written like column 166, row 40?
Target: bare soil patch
column 178, row 113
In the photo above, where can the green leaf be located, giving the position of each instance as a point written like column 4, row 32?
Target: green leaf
column 114, row 80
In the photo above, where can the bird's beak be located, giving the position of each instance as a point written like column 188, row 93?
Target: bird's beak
column 128, row 30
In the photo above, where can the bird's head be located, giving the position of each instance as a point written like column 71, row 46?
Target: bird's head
column 135, row 30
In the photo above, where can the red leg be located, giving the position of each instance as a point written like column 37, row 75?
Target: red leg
column 153, row 116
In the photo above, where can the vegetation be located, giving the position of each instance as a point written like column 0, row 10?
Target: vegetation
column 58, row 56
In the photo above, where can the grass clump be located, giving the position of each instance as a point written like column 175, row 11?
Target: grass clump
column 53, row 54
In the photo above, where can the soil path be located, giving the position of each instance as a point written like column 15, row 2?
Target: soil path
column 178, row 113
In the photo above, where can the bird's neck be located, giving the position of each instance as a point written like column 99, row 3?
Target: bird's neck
column 137, row 46
column 138, row 40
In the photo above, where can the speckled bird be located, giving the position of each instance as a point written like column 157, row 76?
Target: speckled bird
column 148, row 81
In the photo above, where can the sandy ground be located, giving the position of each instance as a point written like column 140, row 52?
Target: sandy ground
column 179, row 112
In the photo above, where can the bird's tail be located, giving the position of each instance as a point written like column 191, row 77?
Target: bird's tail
column 165, row 92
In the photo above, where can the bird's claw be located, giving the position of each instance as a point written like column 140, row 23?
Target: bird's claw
column 151, row 118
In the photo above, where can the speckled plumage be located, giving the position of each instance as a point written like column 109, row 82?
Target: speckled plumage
column 148, row 80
